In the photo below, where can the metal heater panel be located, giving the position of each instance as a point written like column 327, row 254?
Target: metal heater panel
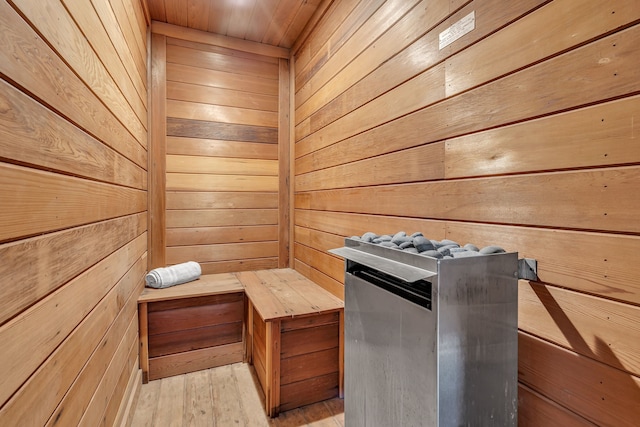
column 390, row 359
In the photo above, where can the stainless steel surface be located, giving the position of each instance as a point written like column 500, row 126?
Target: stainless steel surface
column 393, row 268
column 528, row 269
column 452, row 365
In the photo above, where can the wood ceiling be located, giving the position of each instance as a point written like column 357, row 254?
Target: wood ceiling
column 273, row 22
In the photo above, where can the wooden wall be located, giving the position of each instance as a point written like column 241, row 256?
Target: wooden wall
column 220, row 153
column 73, row 202
column 522, row 133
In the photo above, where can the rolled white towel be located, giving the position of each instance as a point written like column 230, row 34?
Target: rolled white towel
column 164, row 277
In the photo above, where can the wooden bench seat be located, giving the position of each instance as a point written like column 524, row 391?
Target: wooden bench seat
column 288, row 327
column 293, row 338
column 190, row 327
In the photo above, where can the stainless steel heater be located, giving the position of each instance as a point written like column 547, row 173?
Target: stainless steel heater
column 429, row 342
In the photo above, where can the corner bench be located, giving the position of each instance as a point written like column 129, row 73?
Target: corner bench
column 294, row 338
column 288, row 327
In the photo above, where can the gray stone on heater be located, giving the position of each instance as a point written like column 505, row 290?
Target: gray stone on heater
column 405, row 245
column 492, row 250
column 471, row 247
column 369, row 236
column 355, row 238
column 411, row 249
column 432, row 254
column 465, row 254
column 447, row 242
column 388, row 244
column 422, row 244
column 416, row 234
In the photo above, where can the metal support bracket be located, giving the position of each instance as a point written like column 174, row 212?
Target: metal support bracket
column 528, row 269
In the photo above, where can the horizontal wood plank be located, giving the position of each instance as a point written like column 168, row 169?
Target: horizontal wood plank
column 49, row 79
column 306, row 366
column 222, row 50
column 221, row 131
column 536, row 410
column 220, row 217
column 48, row 323
column 239, row 265
column 221, row 200
column 304, row 392
column 206, row 285
column 219, row 96
column 221, row 148
column 524, row 199
column 602, row 394
column 194, row 339
column 329, row 284
column 221, row 62
column 221, row 166
column 52, row 380
column 221, row 79
column 36, row 202
column 594, row 263
column 210, row 182
column 596, row 328
column 213, row 235
column 221, row 113
column 47, row 262
column 594, row 136
column 32, row 134
column 224, row 252
column 196, row 360
column 303, row 341
column 423, row 163
column 181, row 319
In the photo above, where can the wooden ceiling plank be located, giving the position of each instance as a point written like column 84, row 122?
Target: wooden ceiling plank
column 156, row 8
column 260, row 20
column 240, row 19
column 198, row 14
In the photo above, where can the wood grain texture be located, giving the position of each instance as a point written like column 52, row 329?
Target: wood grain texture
column 212, row 235
column 225, row 252
column 221, row 62
column 601, row 394
column 221, row 148
column 222, row 166
column 210, row 182
column 524, row 199
column 588, row 325
column 47, row 324
column 239, row 265
column 31, row 197
column 48, row 385
column 157, row 152
column 285, row 175
column 593, row 263
column 221, row 113
column 413, row 60
column 220, row 96
column 69, row 42
column 221, row 131
column 221, row 217
column 208, row 37
column 32, row 134
column 308, row 391
column 535, row 409
column 221, row 200
column 207, row 284
column 600, row 135
column 59, row 257
column 31, row 63
column 195, row 360
column 220, row 79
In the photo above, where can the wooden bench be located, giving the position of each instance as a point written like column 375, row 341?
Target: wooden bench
column 294, row 338
column 190, row 327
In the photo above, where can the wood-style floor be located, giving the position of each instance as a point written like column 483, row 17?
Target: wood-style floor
column 223, row 397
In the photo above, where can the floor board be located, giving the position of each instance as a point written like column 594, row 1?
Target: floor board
column 220, row 397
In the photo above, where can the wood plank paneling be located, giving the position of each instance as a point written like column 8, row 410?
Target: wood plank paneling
column 221, row 200
column 220, row 148
column 33, row 135
column 234, row 234
column 73, row 126
column 507, row 136
column 219, row 96
column 224, row 252
column 31, row 63
column 214, row 130
column 31, row 196
column 221, row 217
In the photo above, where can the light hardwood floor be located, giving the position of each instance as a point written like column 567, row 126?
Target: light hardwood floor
column 221, row 397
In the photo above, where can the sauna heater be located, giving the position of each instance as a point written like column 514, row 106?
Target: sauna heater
column 429, row 342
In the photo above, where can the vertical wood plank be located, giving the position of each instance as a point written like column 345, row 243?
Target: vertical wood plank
column 284, row 150
column 157, row 152
column 275, row 366
column 341, row 357
column 144, row 340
